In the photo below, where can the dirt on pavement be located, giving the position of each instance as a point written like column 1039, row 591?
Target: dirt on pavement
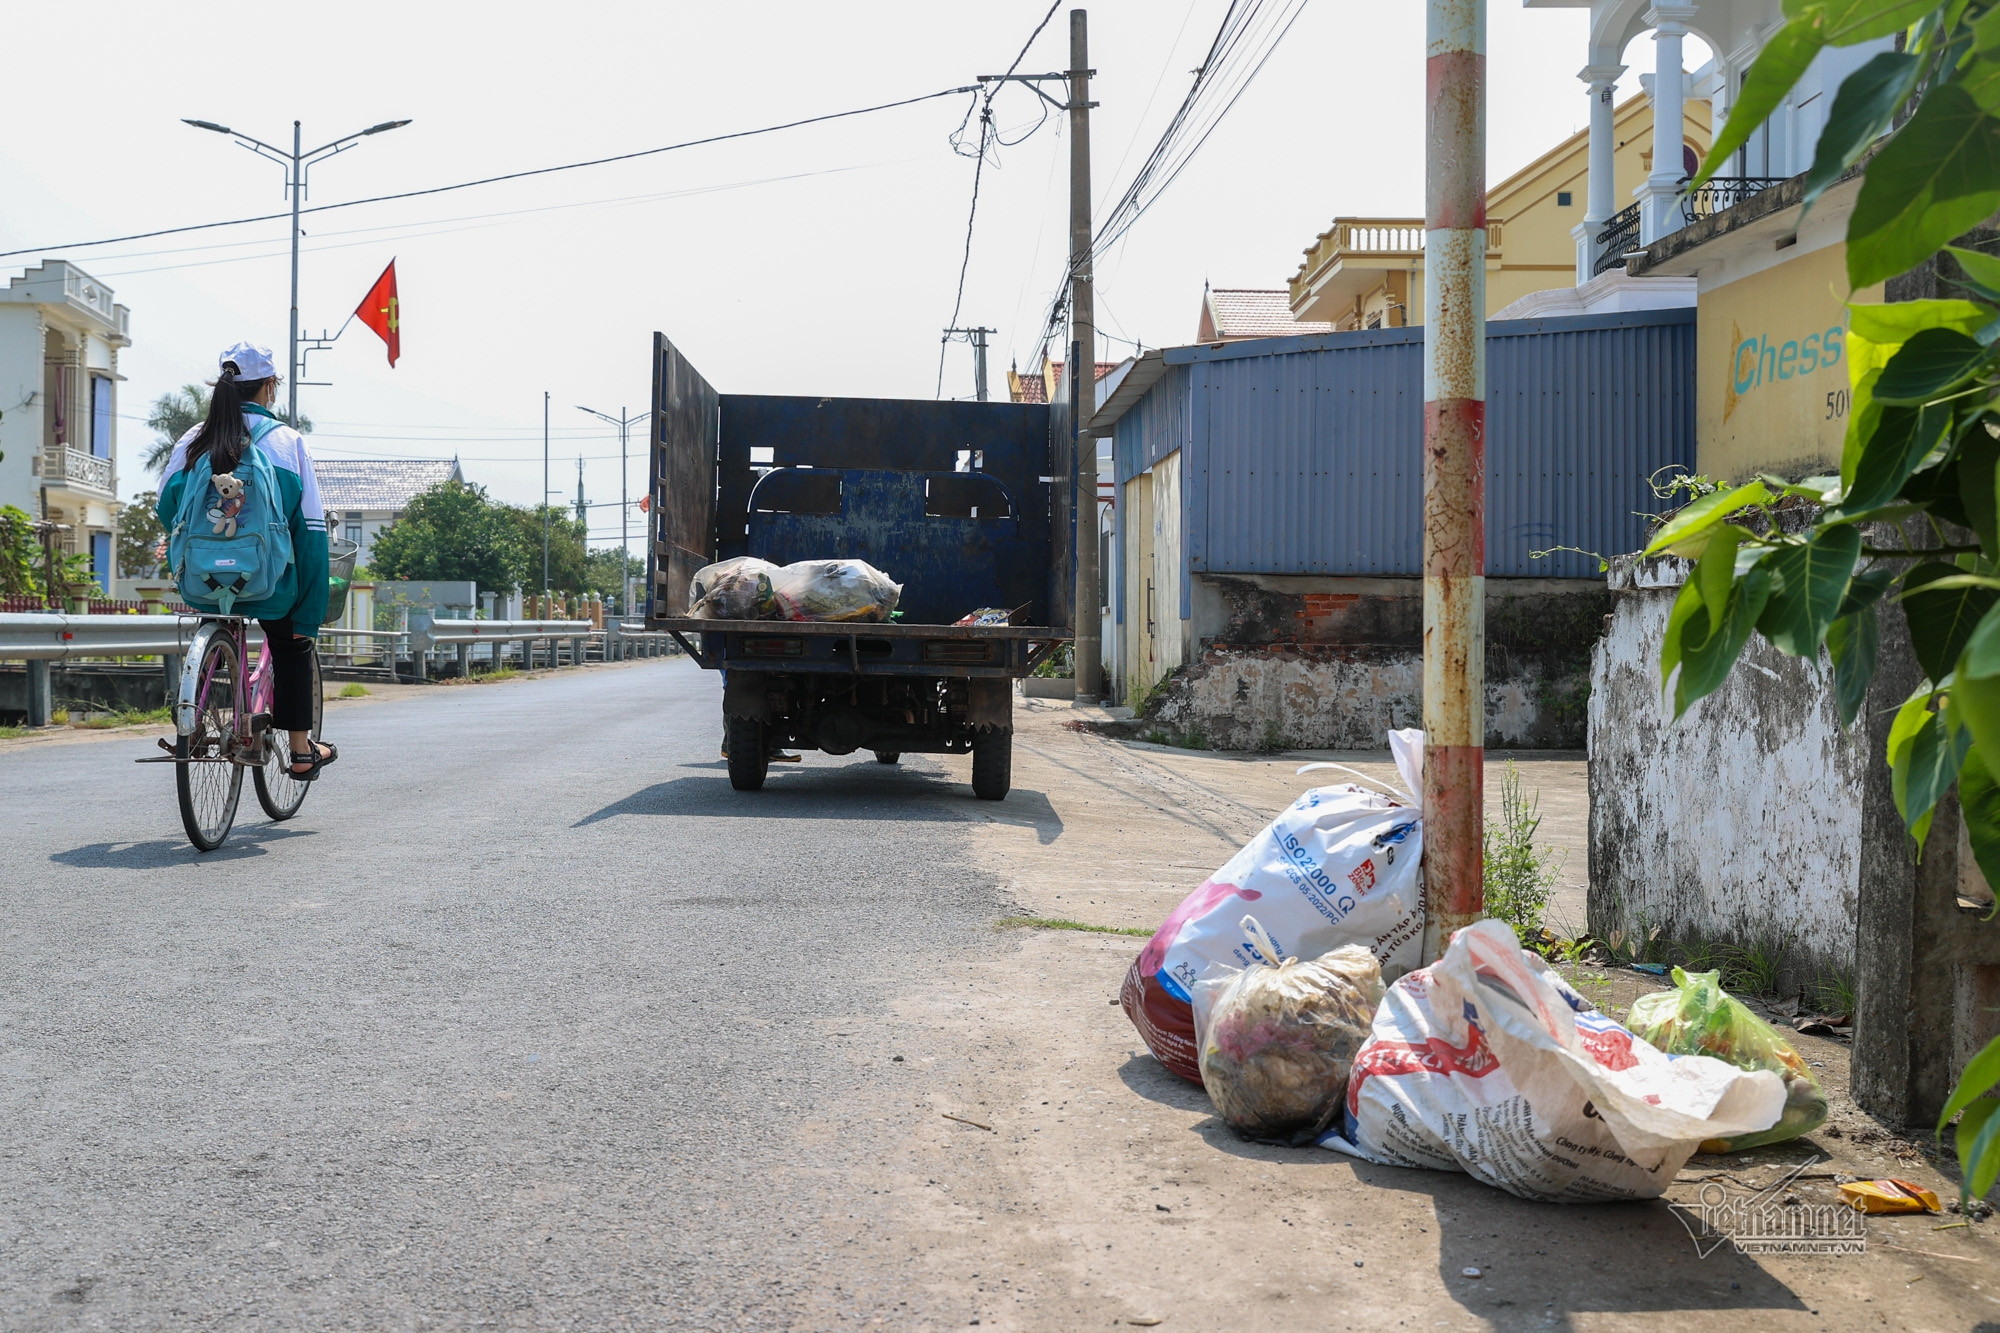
column 1093, row 1188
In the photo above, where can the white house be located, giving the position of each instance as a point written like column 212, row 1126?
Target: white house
column 60, row 332
column 371, row 493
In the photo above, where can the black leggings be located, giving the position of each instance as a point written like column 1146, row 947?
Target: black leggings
column 291, row 676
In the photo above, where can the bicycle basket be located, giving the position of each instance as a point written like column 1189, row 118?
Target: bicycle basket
column 341, row 554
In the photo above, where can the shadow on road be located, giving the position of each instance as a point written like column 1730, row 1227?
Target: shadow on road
column 162, row 852
column 1537, row 1262
column 855, row 791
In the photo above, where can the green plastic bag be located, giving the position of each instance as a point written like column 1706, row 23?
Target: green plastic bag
column 1698, row 1017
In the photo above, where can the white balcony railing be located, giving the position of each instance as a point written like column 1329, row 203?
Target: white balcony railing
column 65, row 466
column 89, row 293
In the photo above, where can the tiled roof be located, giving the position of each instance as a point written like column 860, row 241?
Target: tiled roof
column 379, row 483
column 1034, row 388
column 1243, row 312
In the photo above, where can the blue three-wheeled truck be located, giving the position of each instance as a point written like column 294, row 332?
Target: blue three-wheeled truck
column 967, row 505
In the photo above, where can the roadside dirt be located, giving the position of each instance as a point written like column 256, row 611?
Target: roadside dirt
column 1103, row 1190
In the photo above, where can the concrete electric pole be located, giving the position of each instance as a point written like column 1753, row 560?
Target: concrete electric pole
column 1083, row 364
column 1454, row 469
column 978, row 339
column 624, row 424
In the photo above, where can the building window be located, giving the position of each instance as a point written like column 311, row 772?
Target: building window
column 1562, row 199
column 100, row 561
column 354, row 533
column 100, row 417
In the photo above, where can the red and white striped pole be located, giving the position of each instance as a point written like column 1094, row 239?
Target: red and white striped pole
column 1454, row 467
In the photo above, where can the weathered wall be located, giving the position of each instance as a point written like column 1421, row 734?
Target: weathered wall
column 1293, row 662
column 1739, row 823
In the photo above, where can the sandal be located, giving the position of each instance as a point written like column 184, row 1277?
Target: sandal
column 319, row 761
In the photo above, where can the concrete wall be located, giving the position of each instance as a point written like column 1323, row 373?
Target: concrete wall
column 1739, row 823
column 1295, row 662
column 21, row 401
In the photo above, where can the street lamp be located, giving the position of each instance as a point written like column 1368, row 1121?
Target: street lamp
column 296, row 164
column 623, row 423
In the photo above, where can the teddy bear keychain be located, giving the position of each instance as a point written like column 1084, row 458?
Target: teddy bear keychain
column 223, row 515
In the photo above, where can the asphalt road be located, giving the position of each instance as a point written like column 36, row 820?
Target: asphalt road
column 513, row 1026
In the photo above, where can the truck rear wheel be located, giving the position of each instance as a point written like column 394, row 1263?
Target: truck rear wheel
column 749, row 754
column 888, row 756
column 992, row 764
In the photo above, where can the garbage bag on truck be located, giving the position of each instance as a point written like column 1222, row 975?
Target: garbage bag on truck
column 1277, row 1041
column 736, row 589
column 1698, row 1017
column 1487, row 1062
column 833, row 590
column 1340, row 866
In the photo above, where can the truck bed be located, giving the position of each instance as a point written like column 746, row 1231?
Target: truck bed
column 887, row 649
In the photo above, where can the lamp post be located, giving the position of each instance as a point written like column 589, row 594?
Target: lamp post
column 624, row 423
column 296, row 164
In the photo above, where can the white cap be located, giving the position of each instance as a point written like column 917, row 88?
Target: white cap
column 252, row 362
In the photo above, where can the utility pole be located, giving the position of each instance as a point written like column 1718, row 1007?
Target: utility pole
column 978, row 338
column 624, row 424
column 1083, row 363
column 582, row 509
column 298, row 166
column 545, row 490
column 1454, row 469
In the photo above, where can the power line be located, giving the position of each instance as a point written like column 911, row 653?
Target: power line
column 494, row 180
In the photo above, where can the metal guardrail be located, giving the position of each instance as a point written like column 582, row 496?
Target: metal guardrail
column 451, row 632
column 55, row 637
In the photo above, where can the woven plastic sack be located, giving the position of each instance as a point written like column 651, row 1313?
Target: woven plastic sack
column 737, row 589
column 851, row 590
column 1340, row 866
column 1277, row 1042
column 1486, row 1062
column 1698, row 1017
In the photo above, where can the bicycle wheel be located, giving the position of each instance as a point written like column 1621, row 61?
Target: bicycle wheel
column 209, row 790
column 278, row 791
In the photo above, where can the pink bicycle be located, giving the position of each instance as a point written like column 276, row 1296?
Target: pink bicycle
column 222, row 717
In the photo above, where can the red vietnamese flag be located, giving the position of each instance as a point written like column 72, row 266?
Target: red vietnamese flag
column 380, row 312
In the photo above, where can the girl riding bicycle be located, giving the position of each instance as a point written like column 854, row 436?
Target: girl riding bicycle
column 238, row 411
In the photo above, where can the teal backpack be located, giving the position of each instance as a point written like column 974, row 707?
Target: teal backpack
column 214, row 567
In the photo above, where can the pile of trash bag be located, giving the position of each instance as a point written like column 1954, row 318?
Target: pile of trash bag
column 747, row 588
column 1340, row 866
column 1698, row 1017
column 1277, row 1042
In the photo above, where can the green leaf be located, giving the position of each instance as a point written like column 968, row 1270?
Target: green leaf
column 1896, row 322
column 1928, row 364
column 1939, row 176
column 1982, row 1072
column 1846, row 22
column 1779, row 65
column 1863, row 111
column 1705, row 664
column 1807, row 585
column 1705, row 513
column 1979, row 803
column 1853, row 642
column 1978, row 1149
column 1986, row 32
column 1910, row 718
column 1902, row 438
column 1976, row 684
column 1935, row 490
column 1866, row 589
column 1930, row 766
column 1941, row 622
column 1716, row 570
column 1978, row 454
column 1687, row 605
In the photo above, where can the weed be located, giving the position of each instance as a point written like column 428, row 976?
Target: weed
column 1699, row 955
column 60, row 717
column 353, row 691
column 1193, row 739
column 1834, row 993
column 1058, row 665
column 1753, row 969
column 1156, row 736
column 1520, row 877
column 1275, row 741
column 1637, row 945
column 128, row 717
column 15, row 733
column 1062, row 923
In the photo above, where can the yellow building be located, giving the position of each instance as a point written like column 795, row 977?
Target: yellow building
column 1367, row 273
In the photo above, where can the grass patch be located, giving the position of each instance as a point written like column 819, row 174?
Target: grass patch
column 353, row 690
column 1061, row 923
column 15, row 733
column 128, row 717
column 504, row 673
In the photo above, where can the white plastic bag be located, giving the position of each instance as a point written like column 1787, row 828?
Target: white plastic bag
column 833, row 590
column 1487, row 1062
column 1341, row 865
column 735, row 589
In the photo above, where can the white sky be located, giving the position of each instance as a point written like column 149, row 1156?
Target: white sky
column 816, row 261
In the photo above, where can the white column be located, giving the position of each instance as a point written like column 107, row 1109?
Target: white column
column 1601, row 199
column 1659, row 197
